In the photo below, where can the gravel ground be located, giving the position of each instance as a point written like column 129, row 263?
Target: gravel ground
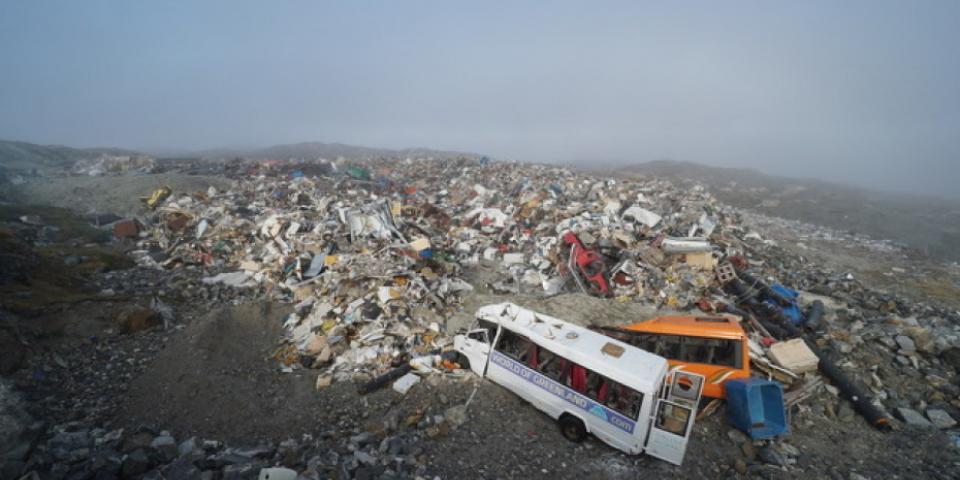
column 212, row 379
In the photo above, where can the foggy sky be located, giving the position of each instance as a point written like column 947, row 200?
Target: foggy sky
column 858, row 92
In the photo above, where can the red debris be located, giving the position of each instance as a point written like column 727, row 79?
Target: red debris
column 129, row 228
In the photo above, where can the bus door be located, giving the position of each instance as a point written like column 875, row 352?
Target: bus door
column 475, row 345
column 673, row 418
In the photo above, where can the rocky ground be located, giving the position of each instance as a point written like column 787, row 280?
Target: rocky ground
column 139, row 403
column 97, row 384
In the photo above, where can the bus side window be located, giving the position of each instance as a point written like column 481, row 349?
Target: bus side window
column 550, row 364
column 710, row 351
column 643, row 341
column 696, row 350
column 529, row 353
column 510, row 344
column 578, row 378
column 668, row 346
column 605, row 391
column 620, row 398
column 649, row 342
column 673, row 418
column 518, row 348
column 594, row 381
column 634, row 403
column 728, row 353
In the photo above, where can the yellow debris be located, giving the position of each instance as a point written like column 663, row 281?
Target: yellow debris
column 158, row 196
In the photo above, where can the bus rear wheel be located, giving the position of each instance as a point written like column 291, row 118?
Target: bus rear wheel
column 572, row 428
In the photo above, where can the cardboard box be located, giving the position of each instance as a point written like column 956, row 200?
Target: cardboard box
column 126, row 229
column 794, row 355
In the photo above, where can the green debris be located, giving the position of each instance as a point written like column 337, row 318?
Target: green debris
column 359, row 173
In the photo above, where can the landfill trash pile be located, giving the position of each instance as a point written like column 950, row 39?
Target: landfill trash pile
column 114, row 165
column 375, row 259
column 373, row 254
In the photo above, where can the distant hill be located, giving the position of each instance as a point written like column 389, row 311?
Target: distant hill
column 311, row 150
column 26, row 156
column 928, row 224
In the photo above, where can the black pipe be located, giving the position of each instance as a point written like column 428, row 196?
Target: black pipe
column 727, row 308
column 814, row 315
column 383, row 380
column 848, row 390
column 773, row 329
column 861, row 402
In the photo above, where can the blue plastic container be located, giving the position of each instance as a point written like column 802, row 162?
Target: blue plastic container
column 755, row 406
column 793, row 311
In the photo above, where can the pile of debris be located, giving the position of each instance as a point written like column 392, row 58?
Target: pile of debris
column 374, row 254
column 374, row 257
column 377, row 256
column 114, row 165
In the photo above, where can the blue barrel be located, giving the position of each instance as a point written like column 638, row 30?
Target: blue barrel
column 755, row 406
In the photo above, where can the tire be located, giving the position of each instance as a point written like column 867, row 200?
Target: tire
column 572, row 428
column 463, row 361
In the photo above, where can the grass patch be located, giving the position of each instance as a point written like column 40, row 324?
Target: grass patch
column 70, row 226
column 937, row 288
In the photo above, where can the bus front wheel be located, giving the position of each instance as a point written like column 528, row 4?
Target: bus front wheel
column 463, row 361
column 572, row 428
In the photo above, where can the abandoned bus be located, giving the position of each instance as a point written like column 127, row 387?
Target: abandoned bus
column 713, row 346
column 588, row 382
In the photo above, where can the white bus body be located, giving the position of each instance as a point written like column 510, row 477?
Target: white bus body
column 615, row 391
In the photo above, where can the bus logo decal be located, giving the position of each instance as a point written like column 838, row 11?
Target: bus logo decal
column 561, row 391
column 720, row 376
column 598, row 411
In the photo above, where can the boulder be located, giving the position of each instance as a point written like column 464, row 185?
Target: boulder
column 940, row 418
column 182, row 468
column 905, row 343
column 912, row 417
column 135, row 464
column 136, row 320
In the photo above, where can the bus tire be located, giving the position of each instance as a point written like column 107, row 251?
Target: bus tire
column 463, row 361
column 572, row 428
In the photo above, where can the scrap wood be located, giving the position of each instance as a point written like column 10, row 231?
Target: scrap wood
column 286, row 354
column 710, row 409
column 757, row 326
column 804, row 391
column 779, row 374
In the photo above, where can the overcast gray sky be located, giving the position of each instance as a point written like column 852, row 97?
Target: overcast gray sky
column 859, row 92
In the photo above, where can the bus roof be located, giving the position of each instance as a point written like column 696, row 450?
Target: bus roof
column 634, row 367
column 710, row 326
